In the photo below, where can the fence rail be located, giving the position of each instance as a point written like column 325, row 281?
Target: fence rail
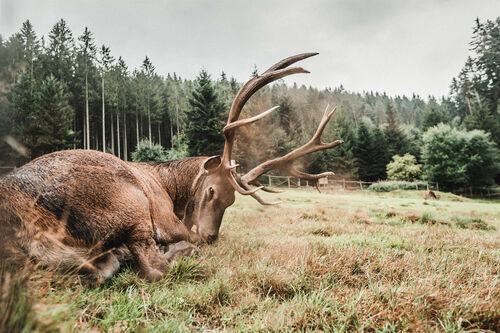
column 330, row 183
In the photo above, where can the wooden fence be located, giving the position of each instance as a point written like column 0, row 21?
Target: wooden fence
column 328, row 183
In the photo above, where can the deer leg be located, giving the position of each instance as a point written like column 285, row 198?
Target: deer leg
column 179, row 250
column 146, row 255
column 107, row 265
column 173, row 231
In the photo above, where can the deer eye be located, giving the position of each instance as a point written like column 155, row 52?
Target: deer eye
column 211, row 191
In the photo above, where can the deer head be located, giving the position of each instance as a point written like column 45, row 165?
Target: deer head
column 220, row 180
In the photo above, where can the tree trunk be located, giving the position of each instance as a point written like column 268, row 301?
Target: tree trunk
column 84, row 132
column 136, row 120
column 112, row 135
column 118, row 134
column 103, row 119
column 125, row 151
column 87, row 111
column 159, row 134
column 177, row 110
column 171, row 133
column 96, row 139
column 149, row 124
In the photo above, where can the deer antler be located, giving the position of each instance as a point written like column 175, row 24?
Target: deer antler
column 285, row 163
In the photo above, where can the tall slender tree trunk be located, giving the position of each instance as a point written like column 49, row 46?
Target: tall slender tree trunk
column 171, row 133
column 74, row 131
column 87, row 110
column 103, row 119
column 112, row 134
column 84, row 132
column 125, row 150
column 137, row 127
column 118, row 133
column 96, row 139
column 136, row 120
column 177, row 109
column 149, row 124
column 159, row 134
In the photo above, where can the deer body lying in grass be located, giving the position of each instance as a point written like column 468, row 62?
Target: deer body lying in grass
column 90, row 211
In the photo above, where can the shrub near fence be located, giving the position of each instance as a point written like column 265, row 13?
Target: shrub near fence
column 387, row 186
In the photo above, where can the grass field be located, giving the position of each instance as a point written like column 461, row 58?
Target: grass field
column 330, row 262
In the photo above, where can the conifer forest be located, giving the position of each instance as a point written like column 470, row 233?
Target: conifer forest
column 62, row 91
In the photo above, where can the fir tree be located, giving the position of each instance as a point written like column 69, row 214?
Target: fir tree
column 59, row 53
column 380, row 155
column 46, row 125
column 395, row 137
column 362, row 150
column 205, row 119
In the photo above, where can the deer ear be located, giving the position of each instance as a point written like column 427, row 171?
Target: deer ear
column 212, row 163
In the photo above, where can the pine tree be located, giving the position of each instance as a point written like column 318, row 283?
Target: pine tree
column 106, row 63
column 205, row 118
column 147, row 69
column 395, row 137
column 380, row 155
column 31, row 46
column 46, row 125
column 363, row 150
column 434, row 114
column 87, row 53
column 59, row 52
column 25, row 102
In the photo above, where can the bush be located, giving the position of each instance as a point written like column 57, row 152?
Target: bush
column 458, row 158
column 387, row 186
column 179, row 147
column 147, row 152
column 404, row 168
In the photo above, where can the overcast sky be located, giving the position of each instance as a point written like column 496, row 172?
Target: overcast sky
column 396, row 46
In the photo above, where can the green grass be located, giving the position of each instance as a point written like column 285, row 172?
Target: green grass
column 339, row 261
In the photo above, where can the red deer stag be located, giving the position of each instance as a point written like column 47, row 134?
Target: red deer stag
column 90, row 211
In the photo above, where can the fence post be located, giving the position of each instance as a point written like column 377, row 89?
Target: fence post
column 416, row 185
column 269, row 180
column 437, row 186
column 307, row 183
column 361, row 185
column 298, row 182
column 427, row 185
column 343, row 182
column 288, row 179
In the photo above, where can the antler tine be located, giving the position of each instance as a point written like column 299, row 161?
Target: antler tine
column 263, row 202
column 285, row 162
column 324, row 120
column 290, row 60
column 260, row 200
column 264, row 188
column 299, row 174
column 248, row 121
column 239, row 188
column 275, row 72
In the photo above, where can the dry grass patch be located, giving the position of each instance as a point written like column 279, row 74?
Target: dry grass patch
column 354, row 262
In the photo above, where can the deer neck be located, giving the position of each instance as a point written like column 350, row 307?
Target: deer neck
column 179, row 178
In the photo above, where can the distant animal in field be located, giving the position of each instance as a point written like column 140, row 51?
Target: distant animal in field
column 352, row 188
column 90, row 212
column 430, row 195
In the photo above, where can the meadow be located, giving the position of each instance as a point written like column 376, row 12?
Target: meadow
column 334, row 261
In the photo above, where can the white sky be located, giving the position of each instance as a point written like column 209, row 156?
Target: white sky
column 396, row 46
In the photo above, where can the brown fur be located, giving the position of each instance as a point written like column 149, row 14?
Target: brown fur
column 90, row 211
column 430, row 195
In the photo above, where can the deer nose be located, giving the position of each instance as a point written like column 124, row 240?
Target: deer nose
column 211, row 238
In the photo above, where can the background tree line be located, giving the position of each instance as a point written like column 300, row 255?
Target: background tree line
column 61, row 91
